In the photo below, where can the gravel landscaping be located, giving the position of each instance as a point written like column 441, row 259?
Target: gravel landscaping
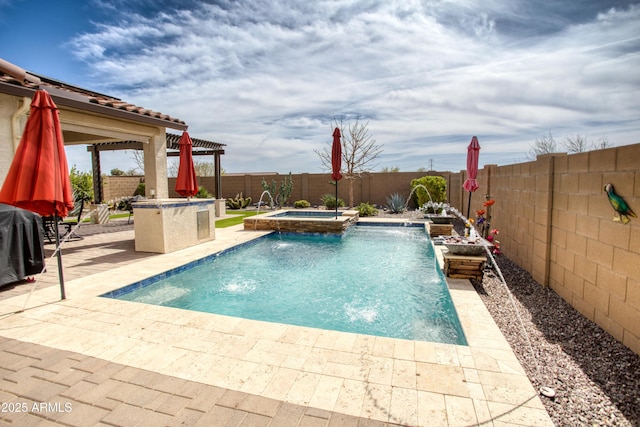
column 596, row 379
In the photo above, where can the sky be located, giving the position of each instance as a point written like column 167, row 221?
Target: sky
column 269, row 78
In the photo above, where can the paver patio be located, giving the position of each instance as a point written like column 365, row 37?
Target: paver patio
column 93, row 360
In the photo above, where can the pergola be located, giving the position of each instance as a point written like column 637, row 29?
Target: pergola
column 201, row 147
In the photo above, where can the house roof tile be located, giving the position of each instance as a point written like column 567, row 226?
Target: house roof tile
column 14, row 76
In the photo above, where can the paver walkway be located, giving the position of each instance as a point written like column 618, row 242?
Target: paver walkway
column 70, row 389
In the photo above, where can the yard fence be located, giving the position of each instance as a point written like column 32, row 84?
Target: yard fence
column 555, row 221
column 554, row 218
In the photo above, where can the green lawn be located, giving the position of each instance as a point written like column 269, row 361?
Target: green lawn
column 114, row 216
column 221, row 223
column 238, row 218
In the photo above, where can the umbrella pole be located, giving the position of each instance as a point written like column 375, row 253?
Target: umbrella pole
column 469, row 205
column 59, row 256
column 336, row 199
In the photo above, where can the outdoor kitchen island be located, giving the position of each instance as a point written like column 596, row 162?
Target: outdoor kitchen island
column 168, row 225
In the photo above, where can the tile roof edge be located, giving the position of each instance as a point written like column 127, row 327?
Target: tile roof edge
column 17, row 81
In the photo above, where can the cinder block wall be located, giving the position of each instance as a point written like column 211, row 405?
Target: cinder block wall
column 556, row 222
column 373, row 188
column 115, row 187
column 594, row 261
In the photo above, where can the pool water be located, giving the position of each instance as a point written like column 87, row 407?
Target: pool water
column 381, row 281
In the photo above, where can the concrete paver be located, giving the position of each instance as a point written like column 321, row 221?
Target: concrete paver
column 92, row 361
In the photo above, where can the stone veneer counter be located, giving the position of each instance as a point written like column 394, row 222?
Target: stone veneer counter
column 167, row 225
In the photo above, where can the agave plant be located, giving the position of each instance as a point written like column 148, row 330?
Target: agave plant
column 396, row 203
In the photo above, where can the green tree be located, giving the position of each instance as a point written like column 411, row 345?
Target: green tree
column 82, row 183
column 117, row 172
column 436, row 189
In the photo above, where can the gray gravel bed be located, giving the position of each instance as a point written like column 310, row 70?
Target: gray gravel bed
column 596, row 379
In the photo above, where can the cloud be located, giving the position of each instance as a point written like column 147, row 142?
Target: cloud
column 267, row 78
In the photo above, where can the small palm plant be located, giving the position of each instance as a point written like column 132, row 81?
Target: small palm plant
column 396, row 203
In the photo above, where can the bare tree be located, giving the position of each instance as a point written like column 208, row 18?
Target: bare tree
column 138, row 157
column 202, row 168
column 602, row 144
column 576, row 144
column 359, row 151
column 543, row 145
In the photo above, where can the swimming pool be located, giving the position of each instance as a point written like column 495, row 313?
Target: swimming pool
column 381, row 281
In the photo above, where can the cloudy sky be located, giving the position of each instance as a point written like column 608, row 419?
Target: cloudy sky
column 267, row 78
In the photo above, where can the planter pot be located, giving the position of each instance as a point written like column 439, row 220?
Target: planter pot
column 440, row 219
column 465, row 249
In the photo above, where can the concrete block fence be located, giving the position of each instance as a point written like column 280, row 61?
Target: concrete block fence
column 556, row 222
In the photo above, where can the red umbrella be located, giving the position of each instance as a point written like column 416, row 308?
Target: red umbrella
column 38, row 179
column 336, row 162
column 186, row 183
column 336, row 156
column 470, row 184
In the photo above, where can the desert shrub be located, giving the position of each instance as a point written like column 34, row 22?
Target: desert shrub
column 329, row 201
column 301, row 204
column 286, row 187
column 81, row 184
column 238, row 202
column 365, row 209
column 396, row 203
column 140, row 190
column 203, row 193
column 436, row 185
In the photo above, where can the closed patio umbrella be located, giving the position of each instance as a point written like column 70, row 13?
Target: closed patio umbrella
column 336, row 162
column 186, row 183
column 470, row 184
column 38, row 178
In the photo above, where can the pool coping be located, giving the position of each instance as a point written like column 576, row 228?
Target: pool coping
column 384, row 379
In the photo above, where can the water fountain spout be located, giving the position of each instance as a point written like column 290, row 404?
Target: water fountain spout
column 260, row 201
column 413, row 190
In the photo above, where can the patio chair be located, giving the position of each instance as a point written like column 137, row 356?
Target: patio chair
column 49, row 225
column 129, row 207
column 65, row 227
column 76, row 215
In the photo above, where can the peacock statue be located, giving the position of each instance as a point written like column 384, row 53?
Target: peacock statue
column 619, row 205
